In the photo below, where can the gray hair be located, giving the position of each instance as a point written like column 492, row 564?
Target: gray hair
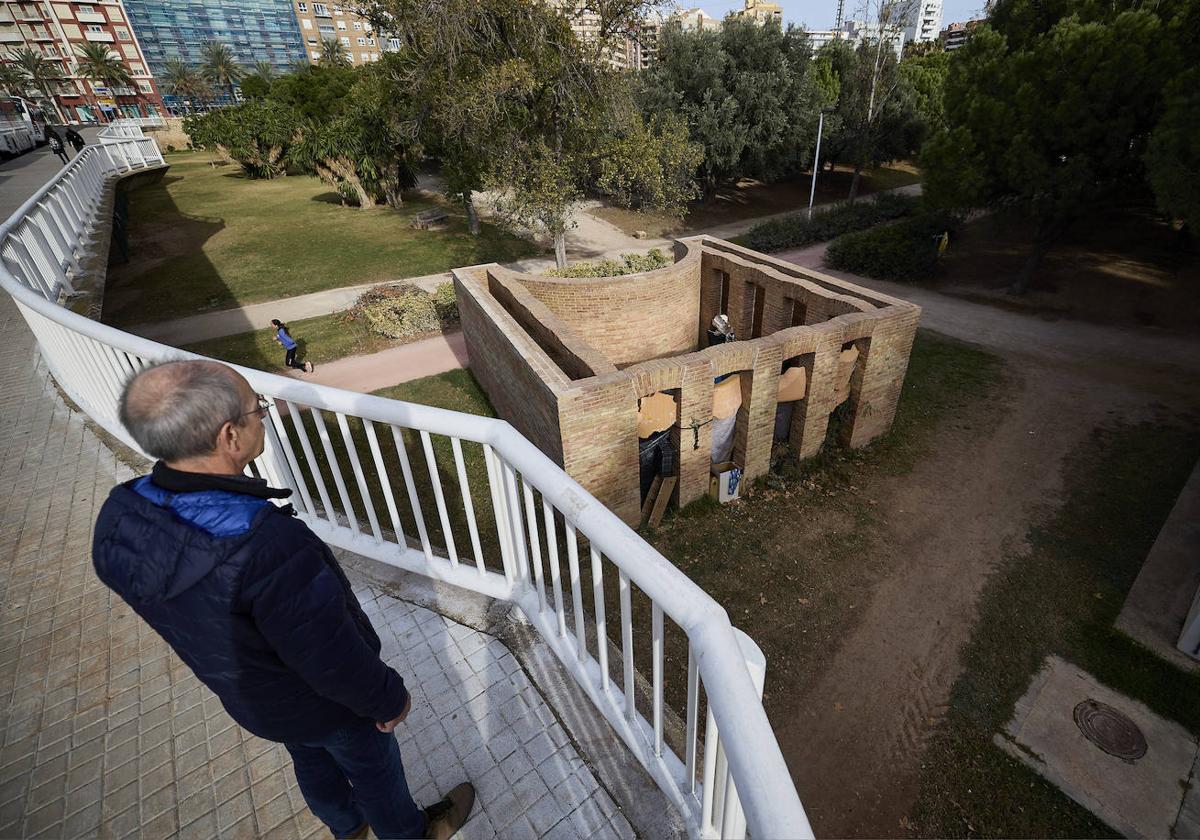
column 175, row 410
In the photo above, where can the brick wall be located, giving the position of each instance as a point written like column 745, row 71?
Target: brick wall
column 535, row 343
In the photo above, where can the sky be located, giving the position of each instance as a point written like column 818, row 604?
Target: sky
column 819, row 14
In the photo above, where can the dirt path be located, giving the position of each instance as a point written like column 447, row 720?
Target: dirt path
column 856, row 752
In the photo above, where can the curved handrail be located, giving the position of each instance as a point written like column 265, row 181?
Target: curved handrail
column 742, row 766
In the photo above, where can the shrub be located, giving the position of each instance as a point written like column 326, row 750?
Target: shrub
column 445, row 302
column 255, row 135
column 397, row 311
column 798, row 231
column 904, row 251
column 628, row 264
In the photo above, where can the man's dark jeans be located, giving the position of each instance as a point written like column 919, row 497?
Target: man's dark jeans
column 355, row 775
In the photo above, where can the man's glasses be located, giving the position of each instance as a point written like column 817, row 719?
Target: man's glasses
column 264, row 405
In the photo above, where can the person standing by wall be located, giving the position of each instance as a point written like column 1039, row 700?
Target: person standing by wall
column 256, row 604
column 75, row 139
column 56, row 145
column 283, row 337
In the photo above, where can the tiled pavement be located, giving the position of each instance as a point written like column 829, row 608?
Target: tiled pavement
column 106, row 733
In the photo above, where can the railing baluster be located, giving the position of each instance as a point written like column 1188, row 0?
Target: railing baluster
column 657, row 631
column 335, row 468
column 516, row 527
column 555, row 571
column 708, row 789
column 360, row 477
column 411, row 486
column 576, row 587
column 468, row 504
column 295, row 410
column 601, row 633
column 500, row 508
column 384, row 481
column 628, row 685
column 535, row 544
column 436, row 480
column 286, row 445
column 693, row 712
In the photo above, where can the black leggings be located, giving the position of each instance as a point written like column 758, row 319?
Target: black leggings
column 290, row 360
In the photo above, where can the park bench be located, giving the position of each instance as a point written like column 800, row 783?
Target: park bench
column 429, row 219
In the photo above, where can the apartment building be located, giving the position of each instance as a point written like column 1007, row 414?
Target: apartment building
column 694, row 20
column 926, row 23
column 760, row 11
column 57, row 30
column 956, row 35
column 254, row 30
column 318, row 21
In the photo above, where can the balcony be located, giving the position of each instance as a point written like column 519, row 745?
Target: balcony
column 90, row 17
column 8, row 35
column 106, row 37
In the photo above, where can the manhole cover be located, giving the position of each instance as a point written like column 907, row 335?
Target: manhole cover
column 1110, row 730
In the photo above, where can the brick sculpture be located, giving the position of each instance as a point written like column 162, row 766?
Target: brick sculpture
column 567, row 360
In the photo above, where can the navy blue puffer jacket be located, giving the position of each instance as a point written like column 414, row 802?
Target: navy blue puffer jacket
column 250, row 599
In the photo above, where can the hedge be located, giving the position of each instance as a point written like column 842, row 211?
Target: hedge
column 628, row 264
column 903, row 251
column 799, row 231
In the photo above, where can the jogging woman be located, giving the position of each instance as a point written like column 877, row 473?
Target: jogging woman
column 282, row 336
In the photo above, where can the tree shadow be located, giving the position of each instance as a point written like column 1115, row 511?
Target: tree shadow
column 160, row 235
column 332, row 197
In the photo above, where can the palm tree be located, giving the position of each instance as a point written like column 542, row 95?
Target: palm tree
column 99, row 63
column 40, row 72
column 184, row 81
column 333, row 53
column 12, row 80
column 220, row 66
column 265, row 70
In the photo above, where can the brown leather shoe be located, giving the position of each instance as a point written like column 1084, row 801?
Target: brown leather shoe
column 450, row 814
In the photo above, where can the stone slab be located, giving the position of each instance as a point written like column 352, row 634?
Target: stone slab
column 1139, row 799
column 1160, row 598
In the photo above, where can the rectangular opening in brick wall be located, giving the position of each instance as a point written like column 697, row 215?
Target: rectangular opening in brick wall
column 760, row 303
column 658, row 452
column 788, row 417
column 799, row 311
column 741, row 429
column 853, row 405
column 724, row 292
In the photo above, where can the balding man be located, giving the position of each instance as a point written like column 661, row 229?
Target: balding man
column 256, row 604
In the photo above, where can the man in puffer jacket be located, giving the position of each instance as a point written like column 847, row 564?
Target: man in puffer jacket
column 256, row 604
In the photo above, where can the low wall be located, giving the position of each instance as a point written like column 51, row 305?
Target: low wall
column 630, row 318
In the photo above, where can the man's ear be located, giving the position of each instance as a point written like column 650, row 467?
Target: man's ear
column 227, row 435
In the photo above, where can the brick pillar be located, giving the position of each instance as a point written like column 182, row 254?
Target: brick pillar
column 695, row 403
column 600, row 445
column 810, row 419
column 878, row 379
column 760, row 410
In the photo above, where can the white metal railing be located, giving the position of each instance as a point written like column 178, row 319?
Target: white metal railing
column 457, row 498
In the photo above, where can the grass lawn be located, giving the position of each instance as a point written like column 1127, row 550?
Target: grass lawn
column 1061, row 597
column 1123, row 265
column 749, row 199
column 210, row 238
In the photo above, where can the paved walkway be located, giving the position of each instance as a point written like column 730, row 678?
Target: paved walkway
column 106, row 733
column 372, row 371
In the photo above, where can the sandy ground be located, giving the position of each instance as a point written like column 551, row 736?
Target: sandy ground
column 855, row 753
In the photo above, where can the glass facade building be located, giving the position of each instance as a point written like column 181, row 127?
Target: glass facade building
column 255, row 30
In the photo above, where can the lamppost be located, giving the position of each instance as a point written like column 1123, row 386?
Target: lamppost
column 812, row 193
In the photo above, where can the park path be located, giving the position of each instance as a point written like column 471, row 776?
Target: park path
column 372, row 371
column 591, row 238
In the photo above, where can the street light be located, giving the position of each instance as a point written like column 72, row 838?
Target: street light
column 812, row 193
